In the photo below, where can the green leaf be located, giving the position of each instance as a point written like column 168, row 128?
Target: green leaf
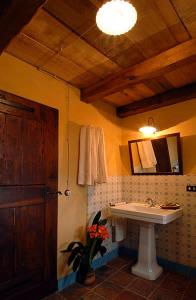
column 96, row 218
column 103, row 222
column 88, row 239
column 102, row 250
column 71, row 245
column 74, row 253
column 76, row 263
column 97, row 247
column 65, row 250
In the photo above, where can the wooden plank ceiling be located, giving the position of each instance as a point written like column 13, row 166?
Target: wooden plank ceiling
column 156, row 56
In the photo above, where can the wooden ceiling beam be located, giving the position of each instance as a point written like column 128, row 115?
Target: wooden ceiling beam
column 97, row 3
column 150, row 68
column 173, row 96
column 14, row 15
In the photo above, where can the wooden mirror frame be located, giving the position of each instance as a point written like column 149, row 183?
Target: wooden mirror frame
column 154, row 138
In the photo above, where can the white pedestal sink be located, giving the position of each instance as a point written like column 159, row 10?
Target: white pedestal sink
column 146, row 266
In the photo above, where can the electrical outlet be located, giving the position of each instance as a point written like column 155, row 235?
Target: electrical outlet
column 191, row 188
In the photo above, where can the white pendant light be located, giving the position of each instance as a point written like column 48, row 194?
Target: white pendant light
column 116, row 17
column 150, row 128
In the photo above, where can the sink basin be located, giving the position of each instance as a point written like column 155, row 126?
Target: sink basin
column 142, row 212
column 146, row 266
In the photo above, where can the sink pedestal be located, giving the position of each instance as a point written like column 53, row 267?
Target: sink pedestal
column 147, row 266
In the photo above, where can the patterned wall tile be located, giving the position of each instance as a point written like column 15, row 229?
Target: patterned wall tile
column 176, row 241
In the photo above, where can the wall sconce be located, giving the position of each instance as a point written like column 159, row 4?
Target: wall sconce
column 150, row 128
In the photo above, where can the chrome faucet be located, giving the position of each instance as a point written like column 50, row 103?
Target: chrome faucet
column 151, row 202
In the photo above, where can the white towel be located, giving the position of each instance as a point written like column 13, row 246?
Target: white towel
column 119, row 229
column 147, row 155
column 92, row 163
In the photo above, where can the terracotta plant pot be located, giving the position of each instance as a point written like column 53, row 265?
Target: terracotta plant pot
column 90, row 278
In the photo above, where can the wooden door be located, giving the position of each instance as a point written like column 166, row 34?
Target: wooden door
column 28, row 199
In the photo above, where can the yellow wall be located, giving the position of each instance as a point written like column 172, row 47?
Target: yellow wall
column 180, row 117
column 24, row 80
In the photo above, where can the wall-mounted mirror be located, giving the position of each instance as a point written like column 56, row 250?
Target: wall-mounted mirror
column 159, row 155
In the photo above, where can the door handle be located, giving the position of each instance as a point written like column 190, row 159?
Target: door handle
column 51, row 193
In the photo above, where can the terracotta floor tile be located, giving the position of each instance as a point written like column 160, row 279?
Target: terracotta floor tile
column 188, row 298
column 118, row 263
column 178, row 277
column 108, row 290
column 174, row 285
column 105, row 272
column 91, row 296
column 54, row 297
column 122, row 279
column 126, row 258
column 190, row 293
column 128, row 267
column 74, row 292
column 159, row 280
column 126, row 295
column 99, row 280
column 115, row 281
column 163, row 294
column 142, row 287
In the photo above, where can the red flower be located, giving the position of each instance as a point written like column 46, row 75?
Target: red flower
column 92, row 228
column 98, row 232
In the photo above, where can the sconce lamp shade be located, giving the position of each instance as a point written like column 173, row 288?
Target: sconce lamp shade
column 150, row 128
column 116, row 17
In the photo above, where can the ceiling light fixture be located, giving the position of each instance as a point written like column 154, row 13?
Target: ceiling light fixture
column 116, row 17
column 150, row 128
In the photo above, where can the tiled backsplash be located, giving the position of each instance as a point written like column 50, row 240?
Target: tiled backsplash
column 176, row 241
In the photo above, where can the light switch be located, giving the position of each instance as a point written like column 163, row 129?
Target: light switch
column 191, row 188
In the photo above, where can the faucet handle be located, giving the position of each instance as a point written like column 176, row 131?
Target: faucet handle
column 151, row 202
column 149, row 199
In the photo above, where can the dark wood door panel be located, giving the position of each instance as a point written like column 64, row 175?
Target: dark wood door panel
column 51, row 145
column 14, row 196
column 32, row 152
column 29, row 290
column 30, row 229
column 22, row 143
column 2, row 162
column 18, row 106
column 12, row 150
column 7, row 258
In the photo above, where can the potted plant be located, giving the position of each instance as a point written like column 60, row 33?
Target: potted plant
column 81, row 256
